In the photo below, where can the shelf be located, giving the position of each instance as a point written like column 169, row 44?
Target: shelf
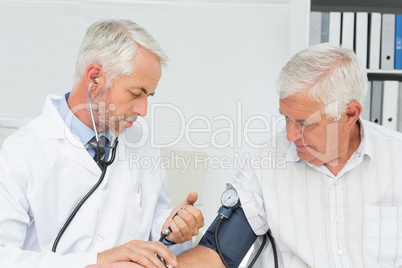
column 382, row 6
column 384, row 75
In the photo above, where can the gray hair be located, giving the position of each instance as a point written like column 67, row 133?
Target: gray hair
column 325, row 73
column 113, row 44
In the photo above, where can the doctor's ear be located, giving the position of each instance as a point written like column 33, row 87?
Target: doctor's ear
column 94, row 73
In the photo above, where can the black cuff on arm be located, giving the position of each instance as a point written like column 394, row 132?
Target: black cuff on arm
column 235, row 237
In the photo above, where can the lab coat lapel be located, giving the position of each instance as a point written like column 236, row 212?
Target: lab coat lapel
column 57, row 129
column 81, row 156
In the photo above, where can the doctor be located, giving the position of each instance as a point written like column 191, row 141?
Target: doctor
column 48, row 166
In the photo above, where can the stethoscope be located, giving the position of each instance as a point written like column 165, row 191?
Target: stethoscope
column 102, row 164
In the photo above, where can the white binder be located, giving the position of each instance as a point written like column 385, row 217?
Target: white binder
column 367, row 103
column 400, row 108
column 376, row 101
column 361, row 36
column 348, row 29
column 315, row 28
column 325, row 27
column 375, row 41
column 335, row 28
column 387, row 41
column 390, row 104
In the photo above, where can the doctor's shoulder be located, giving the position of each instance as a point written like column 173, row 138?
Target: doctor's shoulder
column 22, row 137
column 22, row 148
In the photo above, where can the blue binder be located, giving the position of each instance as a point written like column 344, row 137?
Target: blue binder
column 398, row 41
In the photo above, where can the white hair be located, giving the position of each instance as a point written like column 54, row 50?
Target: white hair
column 113, row 44
column 325, row 73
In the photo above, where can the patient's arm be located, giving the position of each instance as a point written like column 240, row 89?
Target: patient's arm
column 235, row 237
column 199, row 256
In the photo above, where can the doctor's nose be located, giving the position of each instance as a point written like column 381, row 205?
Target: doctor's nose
column 141, row 107
column 293, row 131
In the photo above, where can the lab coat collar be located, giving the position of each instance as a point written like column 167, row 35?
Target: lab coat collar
column 57, row 129
column 76, row 126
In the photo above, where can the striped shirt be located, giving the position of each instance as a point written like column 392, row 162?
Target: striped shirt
column 353, row 219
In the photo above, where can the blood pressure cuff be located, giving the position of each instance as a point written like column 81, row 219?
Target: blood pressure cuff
column 235, row 237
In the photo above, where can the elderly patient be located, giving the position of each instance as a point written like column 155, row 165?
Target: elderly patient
column 338, row 200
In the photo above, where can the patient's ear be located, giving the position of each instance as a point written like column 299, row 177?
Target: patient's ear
column 353, row 111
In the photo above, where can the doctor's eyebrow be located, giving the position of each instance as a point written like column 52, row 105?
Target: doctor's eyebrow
column 143, row 89
column 146, row 92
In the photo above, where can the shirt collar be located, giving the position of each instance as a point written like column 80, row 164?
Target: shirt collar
column 365, row 146
column 366, row 142
column 75, row 125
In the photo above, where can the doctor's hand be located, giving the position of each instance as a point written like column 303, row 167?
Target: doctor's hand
column 116, row 265
column 137, row 252
column 186, row 223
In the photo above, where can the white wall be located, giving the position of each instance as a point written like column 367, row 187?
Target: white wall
column 224, row 60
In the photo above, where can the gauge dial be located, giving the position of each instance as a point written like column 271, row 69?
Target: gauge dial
column 229, row 198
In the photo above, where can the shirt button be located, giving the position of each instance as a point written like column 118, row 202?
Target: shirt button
column 336, row 218
column 100, row 237
column 339, row 252
column 106, row 187
column 336, row 182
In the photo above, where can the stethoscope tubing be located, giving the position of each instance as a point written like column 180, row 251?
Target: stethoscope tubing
column 103, row 164
column 85, row 198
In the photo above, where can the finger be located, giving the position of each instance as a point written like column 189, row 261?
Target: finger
column 197, row 215
column 149, row 259
column 176, row 235
column 166, row 254
column 145, row 255
column 191, row 198
column 116, row 265
column 190, row 223
column 156, row 262
column 186, row 226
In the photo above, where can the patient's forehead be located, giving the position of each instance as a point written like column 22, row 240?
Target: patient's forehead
column 299, row 107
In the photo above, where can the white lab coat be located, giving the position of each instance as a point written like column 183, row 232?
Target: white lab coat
column 45, row 172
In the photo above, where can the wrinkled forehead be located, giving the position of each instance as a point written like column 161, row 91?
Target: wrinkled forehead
column 300, row 107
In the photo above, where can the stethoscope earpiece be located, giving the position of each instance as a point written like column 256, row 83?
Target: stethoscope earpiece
column 90, row 108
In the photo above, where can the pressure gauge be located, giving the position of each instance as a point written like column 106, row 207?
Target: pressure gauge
column 230, row 201
column 229, row 198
